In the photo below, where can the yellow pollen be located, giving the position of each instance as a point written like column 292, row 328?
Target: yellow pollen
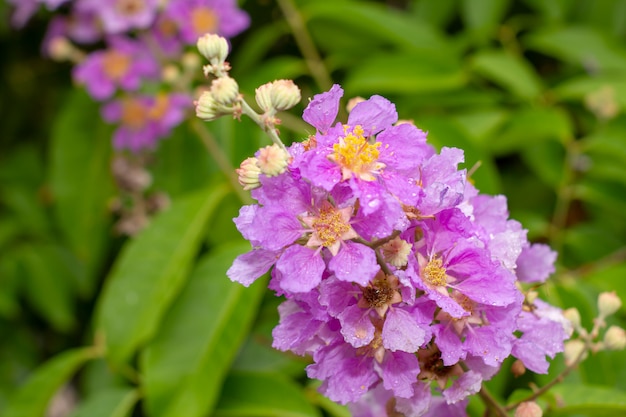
column 354, row 153
column 115, row 64
column 434, row 273
column 203, row 20
column 329, row 226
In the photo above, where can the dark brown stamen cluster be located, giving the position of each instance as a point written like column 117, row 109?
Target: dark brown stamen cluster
column 379, row 294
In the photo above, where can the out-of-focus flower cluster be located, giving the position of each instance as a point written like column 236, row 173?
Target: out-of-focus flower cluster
column 401, row 279
column 132, row 56
column 141, row 70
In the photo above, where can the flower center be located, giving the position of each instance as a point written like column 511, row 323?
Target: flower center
column 434, row 273
column 167, row 27
column 203, row 20
column 129, row 7
column 379, row 293
column 329, row 226
column 115, row 64
column 159, row 108
column 134, row 114
column 357, row 156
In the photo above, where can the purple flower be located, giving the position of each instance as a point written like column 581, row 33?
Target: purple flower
column 118, row 16
column 195, row 18
column 535, row 263
column 25, row 9
column 124, row 64
column 398, row 274
column 143, row 120
column 544, row 330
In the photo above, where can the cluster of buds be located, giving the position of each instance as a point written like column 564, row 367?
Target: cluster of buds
column 135, row 203
column 614, row 337
column 223, row 96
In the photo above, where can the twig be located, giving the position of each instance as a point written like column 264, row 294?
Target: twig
column 220, row 158
column 305, row 44
column 491, row 402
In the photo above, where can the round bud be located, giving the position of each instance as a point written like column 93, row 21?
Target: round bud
column 272, row 160
column 573, row 316
column 353, row 102
column 213, row 47
column 528, row 409
column 225, row 90
column 207, row 107
column 248, row 173
column 518, row 368
column 608, row 303
column 263, row 97
column 277, row 95
column 573, row 350
column 285, row 94
column 615, row 338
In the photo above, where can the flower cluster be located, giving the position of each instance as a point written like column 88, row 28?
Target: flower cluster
column 142, row 74
column 401, row 280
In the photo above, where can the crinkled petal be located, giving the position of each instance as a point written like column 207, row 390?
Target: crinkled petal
column 354, row 263
column 356, row 326
column 251, row 265
column 301, row 269
column 373, row 115
column 322, row 110
column 535, row 263
column 402, row 332
column 449, row 344
column 467, row 384
column 400, row 371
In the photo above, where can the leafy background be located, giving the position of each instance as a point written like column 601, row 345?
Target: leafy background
column 150, row 326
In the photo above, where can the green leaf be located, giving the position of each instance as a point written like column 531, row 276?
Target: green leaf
column 405, row 74
column 529, row 126
column 589, row 400
column 182, row 164
column 48, row 284
column 442, row 131
column 439, row 12
column 365, row 23
column 510, row 71
column 581, row 46
column 81, row 182
column 114, row 402
column 261, row 395
column 31, row 399
column 578, row 88
column 554, row 10
column 184, row 366
column 546, row 159
column 150, row 271
column 482, row 17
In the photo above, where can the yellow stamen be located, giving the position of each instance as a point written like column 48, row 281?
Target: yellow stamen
column 434, row 273
column 356, row 155
column 329, row 226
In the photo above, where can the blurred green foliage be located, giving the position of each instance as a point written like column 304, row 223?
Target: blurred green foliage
column 533, row 90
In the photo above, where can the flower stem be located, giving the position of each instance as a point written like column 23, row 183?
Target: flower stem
column 305, row 44
column 559, row 378
column 220, row 158
column 491, row 402
column 258, row 119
